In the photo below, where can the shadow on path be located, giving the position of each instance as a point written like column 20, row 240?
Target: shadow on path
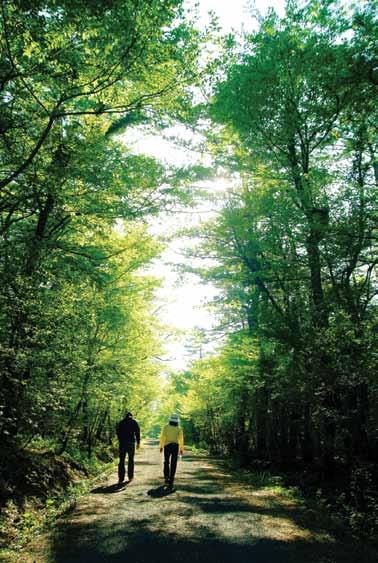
column 207, row 520
column 147, row 547
column 115, row 488
column 160, row 492
column 143, row 534
column 137, row 541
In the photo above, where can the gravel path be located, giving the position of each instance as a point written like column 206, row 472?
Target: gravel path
column 211, row 517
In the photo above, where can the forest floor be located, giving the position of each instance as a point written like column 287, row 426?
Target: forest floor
column 212, row 516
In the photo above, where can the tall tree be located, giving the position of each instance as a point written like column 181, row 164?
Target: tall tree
column 294, row 247
column 69, row 72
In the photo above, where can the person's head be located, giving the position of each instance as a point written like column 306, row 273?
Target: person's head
column 173, row 419
column 129, row 415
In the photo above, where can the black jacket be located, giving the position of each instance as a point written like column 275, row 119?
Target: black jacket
column 128, row 431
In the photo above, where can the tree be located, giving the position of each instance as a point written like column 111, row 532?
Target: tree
column 68, row 71
column 294, row 246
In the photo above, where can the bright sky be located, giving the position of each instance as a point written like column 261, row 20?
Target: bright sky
column 236, row 14
column 182, row 302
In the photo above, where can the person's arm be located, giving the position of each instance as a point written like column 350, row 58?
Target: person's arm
column 181, row 441
column 137, row 434
column 162, row 439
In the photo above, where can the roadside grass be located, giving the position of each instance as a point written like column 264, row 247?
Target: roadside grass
column 217, row 506
column 25, row 515
column 307, row 507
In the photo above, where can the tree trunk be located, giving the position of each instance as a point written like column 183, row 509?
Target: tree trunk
column 307, row 444
column 261, row 423
column 328, row 447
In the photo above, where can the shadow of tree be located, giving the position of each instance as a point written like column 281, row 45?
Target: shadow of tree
column 138, row 541
column 203, row 523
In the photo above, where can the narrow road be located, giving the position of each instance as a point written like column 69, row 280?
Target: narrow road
column 211, row 517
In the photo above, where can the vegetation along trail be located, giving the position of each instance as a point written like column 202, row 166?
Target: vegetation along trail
column 211, row 516
column 147, row 151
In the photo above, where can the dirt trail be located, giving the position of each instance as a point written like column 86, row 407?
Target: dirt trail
column 212, row 517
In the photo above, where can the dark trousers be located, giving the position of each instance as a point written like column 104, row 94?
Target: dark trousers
column 124, row 449
column 170, row 462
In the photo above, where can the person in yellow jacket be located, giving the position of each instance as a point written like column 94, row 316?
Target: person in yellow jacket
column 172, row 441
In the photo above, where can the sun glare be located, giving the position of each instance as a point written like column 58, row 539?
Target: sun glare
column 181, row 300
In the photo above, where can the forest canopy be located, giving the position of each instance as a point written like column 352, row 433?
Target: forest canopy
column 289, row 110
column 293, row 252
column 77, row 333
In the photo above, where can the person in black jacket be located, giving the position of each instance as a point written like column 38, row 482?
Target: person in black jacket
column 128, row 433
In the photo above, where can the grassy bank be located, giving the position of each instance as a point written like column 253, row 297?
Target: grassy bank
column 37, row 486
column 340, row 506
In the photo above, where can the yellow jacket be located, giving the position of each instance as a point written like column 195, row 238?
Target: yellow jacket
column 172, row 435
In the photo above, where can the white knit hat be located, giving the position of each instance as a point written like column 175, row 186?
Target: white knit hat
column 174, row 418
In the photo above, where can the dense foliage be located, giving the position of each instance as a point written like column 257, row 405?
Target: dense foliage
column 294, row 251
column 77, row 333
